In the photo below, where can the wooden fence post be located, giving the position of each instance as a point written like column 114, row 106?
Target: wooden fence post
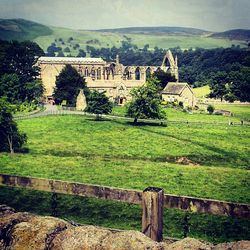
column 152, row 216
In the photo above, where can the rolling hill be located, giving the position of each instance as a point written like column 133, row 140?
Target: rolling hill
column 20, row 29
column 162, row 37
column 158, row 31
column 237, row 34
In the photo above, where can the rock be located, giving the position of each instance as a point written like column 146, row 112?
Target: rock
column 239, row 245
column 36, row 233
column 189, row 244
column 5, row 210
column 7, row 223
column 81, row 102
column 24, row 231
column 130, row 240
column 83, row 237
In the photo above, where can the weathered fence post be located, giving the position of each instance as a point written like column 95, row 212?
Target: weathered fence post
column 152, row 216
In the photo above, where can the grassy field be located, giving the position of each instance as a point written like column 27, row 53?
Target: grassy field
column 185, row 159
column 201, row 92
column 240, row 112
column 105, row 39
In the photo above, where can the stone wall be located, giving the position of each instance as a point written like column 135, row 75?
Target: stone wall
column 25, row 231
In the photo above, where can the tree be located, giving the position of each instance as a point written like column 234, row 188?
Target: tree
column 60, row 54
column 218, row 85
column 10, row 138
column 68, row 84
column 164, row 78
column 81, row 53
column 10, row 87
column 210, row 109
column 98, row 103
column 145, row 102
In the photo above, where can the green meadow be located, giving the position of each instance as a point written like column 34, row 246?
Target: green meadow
column 207, row 160
column 108, row 39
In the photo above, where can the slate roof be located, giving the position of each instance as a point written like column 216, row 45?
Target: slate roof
column 174, row 88
column 71, row 59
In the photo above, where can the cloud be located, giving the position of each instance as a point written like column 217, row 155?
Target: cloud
column 215, row 15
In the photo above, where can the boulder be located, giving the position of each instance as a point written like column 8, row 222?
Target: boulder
column 130, row 240
column 239, row 245
column 36, row 233
column 82, row 237
column 189, row 244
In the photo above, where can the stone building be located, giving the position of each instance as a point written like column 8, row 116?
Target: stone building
column 114, row 78
column 180, row 92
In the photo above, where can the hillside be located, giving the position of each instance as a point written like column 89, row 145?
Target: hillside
column 237, row 34
column 162, row 37
column 20, row 29
column 158, row 30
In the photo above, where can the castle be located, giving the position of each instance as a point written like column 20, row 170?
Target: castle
column 114, row 78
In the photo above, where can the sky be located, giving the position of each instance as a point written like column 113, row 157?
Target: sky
column 212, row 15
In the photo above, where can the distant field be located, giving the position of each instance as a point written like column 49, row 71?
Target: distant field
column 201, row 92
column 114, row 39
column 241, row 112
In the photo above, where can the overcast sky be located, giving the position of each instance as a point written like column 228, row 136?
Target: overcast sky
column 213, row 15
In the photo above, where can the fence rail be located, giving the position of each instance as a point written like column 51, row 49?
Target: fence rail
column 131, row 196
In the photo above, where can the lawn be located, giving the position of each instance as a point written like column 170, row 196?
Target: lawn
column 240, row 112
column 185, row 159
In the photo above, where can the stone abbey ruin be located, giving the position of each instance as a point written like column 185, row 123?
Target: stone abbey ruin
column 114, row 78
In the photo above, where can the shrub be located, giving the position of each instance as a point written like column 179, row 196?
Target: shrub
column 210, row 109
column 181, row 104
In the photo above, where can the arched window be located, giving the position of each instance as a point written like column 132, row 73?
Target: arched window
column 137, row 74
column 86, row 72
column 99, row 73
column 93, row 73
column 148, row 73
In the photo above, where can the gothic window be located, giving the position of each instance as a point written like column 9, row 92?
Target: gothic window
column 86, row 72
column 148, row 73
column 137, row 74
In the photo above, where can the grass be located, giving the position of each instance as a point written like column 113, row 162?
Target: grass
column 201, row 116
column 106, row 40
column 115, row 153
column 201, row 92
column 241, row 112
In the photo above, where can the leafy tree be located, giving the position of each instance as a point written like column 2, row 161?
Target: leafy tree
column 20, row 58
column 145, row 102
column 10, row 138
column 60, row 54
column 66, row 50
column 98, row 103
column 210, row 109
column 10, row 87
column 19, row 72
column 81, row 53
column 68, row 84
column 163, row 77
column 218, row 85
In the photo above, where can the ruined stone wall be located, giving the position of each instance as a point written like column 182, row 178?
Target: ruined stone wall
column 25, row 231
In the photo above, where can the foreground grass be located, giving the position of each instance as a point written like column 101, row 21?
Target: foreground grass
column 115, row 153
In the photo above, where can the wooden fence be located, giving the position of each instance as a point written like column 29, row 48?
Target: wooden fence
column 152, row 199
